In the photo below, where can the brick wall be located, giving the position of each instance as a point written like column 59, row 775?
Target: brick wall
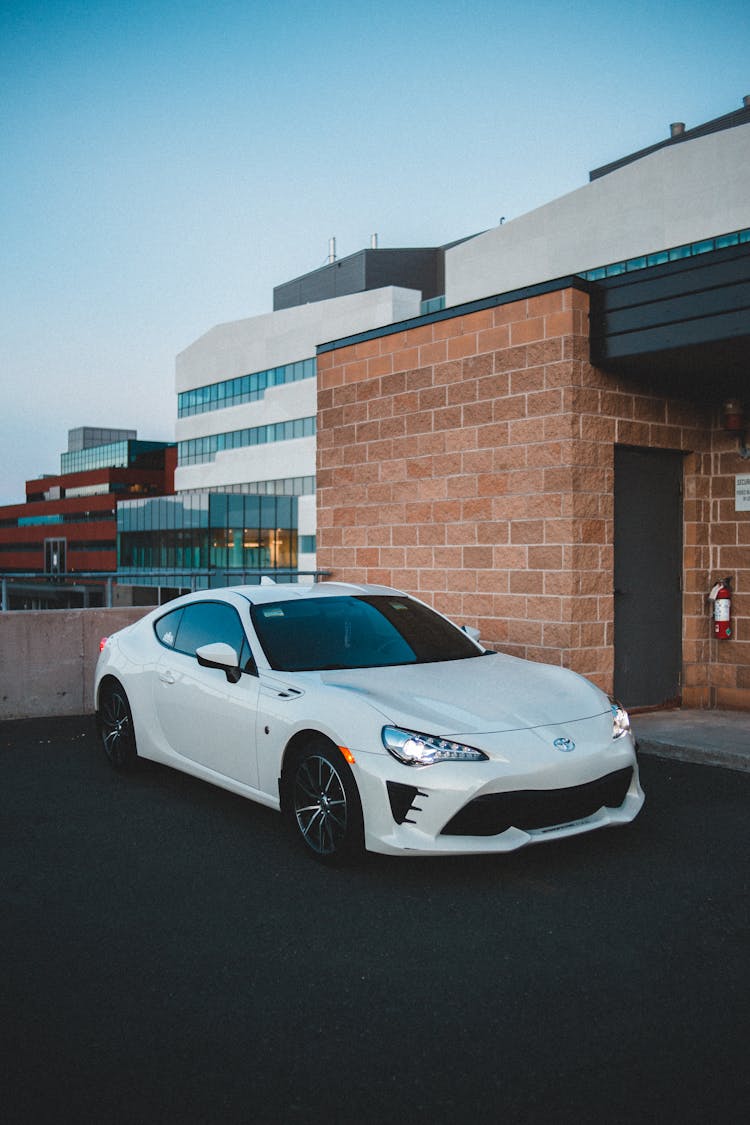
column 470, row 461
column 717, row 544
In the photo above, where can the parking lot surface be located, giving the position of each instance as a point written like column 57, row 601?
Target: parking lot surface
column 169, row 955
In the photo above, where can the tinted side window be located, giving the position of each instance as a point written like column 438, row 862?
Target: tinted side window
column 205, row 622
column 166, row 627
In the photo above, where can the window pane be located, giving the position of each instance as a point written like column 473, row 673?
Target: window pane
column 206, row 622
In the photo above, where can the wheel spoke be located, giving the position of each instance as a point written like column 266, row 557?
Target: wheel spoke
column 314, row 817
column 111, row 737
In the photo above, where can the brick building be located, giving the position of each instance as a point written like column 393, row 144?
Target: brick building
column 549, row 462
column 65, row 531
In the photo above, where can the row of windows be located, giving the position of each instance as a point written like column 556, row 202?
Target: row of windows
column 244, row 388
column 207, row 510
column 112, row 456
column 286, row 486
column 246, row 548
column 93, row 545
column 183, row 510
column 186, row 549
column 64, row 517
column 199, row 450
column 240, row 548
column 115, row 455
column 93, row 489
column 83, row 545
column 38, row 521
column 688, row 250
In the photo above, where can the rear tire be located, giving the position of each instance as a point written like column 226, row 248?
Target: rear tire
column 323, row 805
column 116, row 731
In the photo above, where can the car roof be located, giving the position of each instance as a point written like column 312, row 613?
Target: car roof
column 268, row 591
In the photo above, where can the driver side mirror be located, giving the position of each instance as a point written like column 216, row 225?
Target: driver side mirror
column 220, row 655
column 471, row 632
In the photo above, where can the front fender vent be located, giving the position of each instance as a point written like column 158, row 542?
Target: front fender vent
column 402, row 798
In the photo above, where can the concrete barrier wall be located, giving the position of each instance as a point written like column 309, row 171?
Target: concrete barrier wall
column 48, row 657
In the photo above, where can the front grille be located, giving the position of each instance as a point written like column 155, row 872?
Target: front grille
column 494, row 813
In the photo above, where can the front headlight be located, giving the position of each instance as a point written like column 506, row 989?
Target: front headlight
column 620, row 719
column 415, row 749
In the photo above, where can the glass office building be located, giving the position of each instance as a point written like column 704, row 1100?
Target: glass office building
column 125, row 454
column 198, row 541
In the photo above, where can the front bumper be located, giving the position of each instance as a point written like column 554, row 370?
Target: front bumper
column 484, row 807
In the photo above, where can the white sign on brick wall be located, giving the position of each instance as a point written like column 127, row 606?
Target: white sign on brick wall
column 742, row 494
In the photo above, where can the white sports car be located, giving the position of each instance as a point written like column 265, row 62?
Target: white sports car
column 368, row 719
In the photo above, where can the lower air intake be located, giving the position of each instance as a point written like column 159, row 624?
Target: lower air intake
column 494, row 813
column 402, row 798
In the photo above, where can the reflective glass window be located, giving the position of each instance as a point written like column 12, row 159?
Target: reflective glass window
column 204, row 623
column 166, row 627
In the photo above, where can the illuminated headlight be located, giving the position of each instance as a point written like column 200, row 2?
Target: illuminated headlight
column 425, row 749
column 620, row 719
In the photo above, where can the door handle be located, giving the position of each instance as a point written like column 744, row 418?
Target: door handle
column 167, row 677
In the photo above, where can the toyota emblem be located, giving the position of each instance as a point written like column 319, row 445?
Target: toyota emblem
column 565, row 745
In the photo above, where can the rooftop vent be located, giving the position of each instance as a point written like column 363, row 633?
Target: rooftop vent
column 677, row 128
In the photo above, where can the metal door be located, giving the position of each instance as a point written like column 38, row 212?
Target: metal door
column 648, row 576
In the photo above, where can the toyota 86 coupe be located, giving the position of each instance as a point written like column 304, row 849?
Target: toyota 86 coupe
column 367, row 719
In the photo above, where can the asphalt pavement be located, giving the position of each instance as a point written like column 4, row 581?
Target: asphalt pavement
column 169, row 955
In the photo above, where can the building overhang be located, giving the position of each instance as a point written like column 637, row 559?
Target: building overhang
column 682, row 327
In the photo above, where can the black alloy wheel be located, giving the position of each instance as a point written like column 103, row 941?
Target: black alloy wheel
column 324, row 804
column 116, row 726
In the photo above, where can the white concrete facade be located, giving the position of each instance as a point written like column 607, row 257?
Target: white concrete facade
column 682, row 193
column 259, row 343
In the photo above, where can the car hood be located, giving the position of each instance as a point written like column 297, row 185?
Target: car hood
column 485, row 695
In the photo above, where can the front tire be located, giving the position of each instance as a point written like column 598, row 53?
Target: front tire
column 116, row 731
column 323, row 805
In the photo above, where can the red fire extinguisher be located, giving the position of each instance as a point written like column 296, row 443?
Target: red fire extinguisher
column 721, row 596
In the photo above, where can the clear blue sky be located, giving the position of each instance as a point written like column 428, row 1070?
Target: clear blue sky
column 165, row 164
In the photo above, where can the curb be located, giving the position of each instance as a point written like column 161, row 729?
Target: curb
column 695, row 755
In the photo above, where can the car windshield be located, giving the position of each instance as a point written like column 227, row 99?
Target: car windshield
column 368, row 631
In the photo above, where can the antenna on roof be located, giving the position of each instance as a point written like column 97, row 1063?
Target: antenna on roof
column 331, row 250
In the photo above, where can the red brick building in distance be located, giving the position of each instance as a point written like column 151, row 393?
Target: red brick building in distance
column 65, row 532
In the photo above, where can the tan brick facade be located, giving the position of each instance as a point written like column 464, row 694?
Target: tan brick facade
column 470, row 461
